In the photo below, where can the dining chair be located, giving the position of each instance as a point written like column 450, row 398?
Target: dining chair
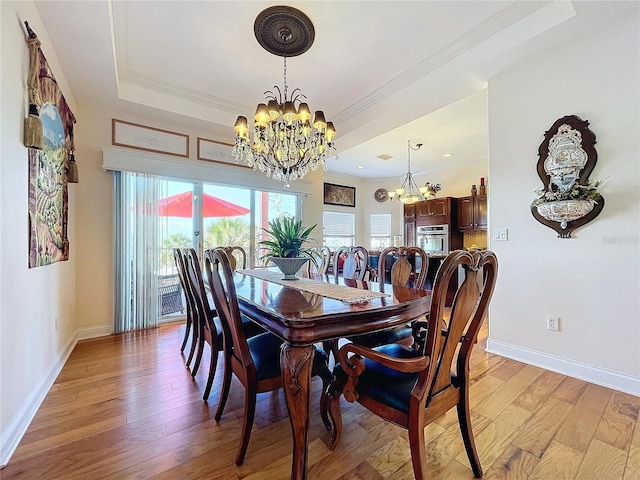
column 190, row 326
column 255, row 361
column 350, row 263
column 356, row 261
column 237, row 256
column 209, row 330
column 410, row 387
column 322, row 258
column 408, row 268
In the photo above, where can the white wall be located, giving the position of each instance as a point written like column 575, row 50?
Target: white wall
column 592, row 280
column 32, row 351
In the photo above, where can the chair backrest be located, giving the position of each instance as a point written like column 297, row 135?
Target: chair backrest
column 179, row 259
column 355, row 263
column 411, row 263
column 322, row 256
column 455, row 338
column 198, row 293
column 237, row 256
column 223, row 291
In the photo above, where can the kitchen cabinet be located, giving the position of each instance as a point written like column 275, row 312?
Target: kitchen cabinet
column 409, row 233
column 434, row 212
column 472, row 212
column 409, row 212
column 409, row 225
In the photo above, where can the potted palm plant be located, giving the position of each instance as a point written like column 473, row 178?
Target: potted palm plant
column 284, row 245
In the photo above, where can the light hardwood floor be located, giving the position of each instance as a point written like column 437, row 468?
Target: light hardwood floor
column 126, row 407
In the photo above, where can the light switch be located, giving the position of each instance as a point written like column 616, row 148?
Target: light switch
column 500, row 234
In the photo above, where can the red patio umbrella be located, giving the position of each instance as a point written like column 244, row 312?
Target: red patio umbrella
column 181, row 205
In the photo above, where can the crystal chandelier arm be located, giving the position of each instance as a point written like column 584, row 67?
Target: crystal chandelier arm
column 270, row 95
column 297, row 95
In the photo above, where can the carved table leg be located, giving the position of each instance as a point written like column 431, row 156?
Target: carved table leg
column 295, row 364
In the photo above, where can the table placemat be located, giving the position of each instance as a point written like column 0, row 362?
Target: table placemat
column 330, row 290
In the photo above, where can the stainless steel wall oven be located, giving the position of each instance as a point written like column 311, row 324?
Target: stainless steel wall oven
column 433, row 239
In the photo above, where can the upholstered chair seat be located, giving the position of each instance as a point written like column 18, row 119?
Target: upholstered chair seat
column 375, row 339
column 265, row 352
column 383, row 384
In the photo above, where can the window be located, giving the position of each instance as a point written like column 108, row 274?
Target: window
column 156, row 214
column 380, row 225
column 339, row 229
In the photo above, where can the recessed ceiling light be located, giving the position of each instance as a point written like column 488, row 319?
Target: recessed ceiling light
column 447, row 154
column 384, row 156
column 360, row 167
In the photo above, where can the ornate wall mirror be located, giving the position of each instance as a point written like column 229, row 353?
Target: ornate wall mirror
column 567, row 156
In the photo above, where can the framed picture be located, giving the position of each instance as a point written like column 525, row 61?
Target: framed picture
column 132, row 135
column 219, row 152
column 339, row 195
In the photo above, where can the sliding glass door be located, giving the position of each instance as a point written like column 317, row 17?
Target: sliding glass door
column 155, row 215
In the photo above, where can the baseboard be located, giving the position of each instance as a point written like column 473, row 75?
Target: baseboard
column 12, row 435
column 94, row 332
column 589, row 373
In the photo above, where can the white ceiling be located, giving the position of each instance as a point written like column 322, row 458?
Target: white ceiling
column 383, row 71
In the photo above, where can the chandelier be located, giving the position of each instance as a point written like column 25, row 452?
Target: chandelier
column 287, row 142
column 409, row 192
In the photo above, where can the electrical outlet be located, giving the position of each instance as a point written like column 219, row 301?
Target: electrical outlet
column 500, row 234
column 553, row 324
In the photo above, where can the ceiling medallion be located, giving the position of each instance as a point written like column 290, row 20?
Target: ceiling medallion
column 271, row 21
column 286, row 143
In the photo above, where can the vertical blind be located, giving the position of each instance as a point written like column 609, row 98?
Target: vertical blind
column 137, row 243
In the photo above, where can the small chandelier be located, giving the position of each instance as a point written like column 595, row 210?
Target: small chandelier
column 409, row 192
column 286, row 141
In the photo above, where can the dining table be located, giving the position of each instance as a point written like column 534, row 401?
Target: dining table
column 316, row 308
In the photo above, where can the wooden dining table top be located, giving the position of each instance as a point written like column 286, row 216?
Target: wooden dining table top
column 302, row 318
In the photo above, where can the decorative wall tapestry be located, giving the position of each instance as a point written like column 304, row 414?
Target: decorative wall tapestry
column 48, row 165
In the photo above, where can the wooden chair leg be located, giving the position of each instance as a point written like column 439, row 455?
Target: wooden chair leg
column 186, row 334
column 324, row 405
column 464, row 418
column 213, row 364
column 194, row 345
column 418, row 452
column 226, row 386
column 332, row 402
column 330, row 347
column 247, row 424
column 199, row 351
